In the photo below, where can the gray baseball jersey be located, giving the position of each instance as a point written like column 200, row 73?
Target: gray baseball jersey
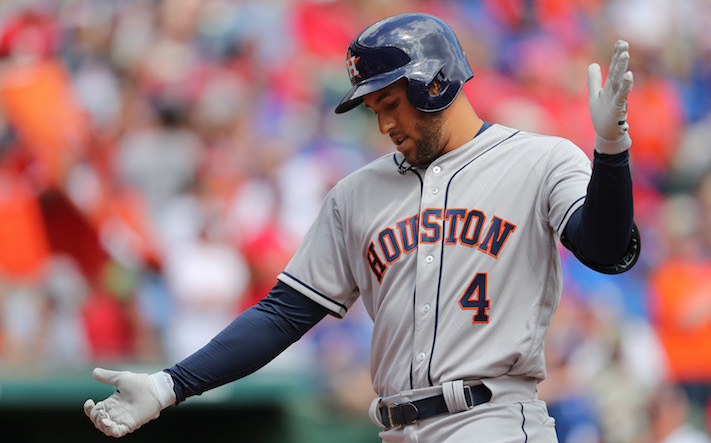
column 456, row 263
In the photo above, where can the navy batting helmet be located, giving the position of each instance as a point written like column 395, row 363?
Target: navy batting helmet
column 418, row 47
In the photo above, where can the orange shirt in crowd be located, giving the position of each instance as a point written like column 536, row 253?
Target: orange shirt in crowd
column 36, row 98
column 681, row 302
column 22, row 234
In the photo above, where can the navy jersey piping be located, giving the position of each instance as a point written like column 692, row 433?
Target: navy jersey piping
column 414, row 314
column 523, row 424
column 566, row 212
column 345, row 308
column 414, row 292
column 441, row 258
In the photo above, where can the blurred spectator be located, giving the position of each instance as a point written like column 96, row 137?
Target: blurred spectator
column 681, row 300
column 22, row 305
column 656, row 119
column 66, row 342
column 668, row 415
column 56, row 131
column 22, row 230
column 692, row 161
column 107, row 314
column 343, row 347
column 207, row 279
column 160, row 159
column 568, row 398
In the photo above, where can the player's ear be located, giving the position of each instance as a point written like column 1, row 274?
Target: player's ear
column 435, row 86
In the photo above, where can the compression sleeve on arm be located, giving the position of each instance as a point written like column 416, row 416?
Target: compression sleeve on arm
column 251, row 341
column 601, row 231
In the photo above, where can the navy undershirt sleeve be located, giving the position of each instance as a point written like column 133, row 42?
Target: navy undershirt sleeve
column 601, row 229
column 251, row 341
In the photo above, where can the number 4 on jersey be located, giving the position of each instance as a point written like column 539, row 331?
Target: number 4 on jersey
column 475, row 298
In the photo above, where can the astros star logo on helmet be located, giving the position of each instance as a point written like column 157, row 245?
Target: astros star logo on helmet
column 352, row 61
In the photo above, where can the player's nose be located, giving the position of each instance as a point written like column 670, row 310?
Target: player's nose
column 385, row 123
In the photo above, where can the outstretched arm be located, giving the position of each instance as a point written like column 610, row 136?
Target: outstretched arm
column 602, row 233
column 248, row 343
column 253, row 339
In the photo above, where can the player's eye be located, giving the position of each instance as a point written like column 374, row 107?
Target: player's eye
column 393, row 104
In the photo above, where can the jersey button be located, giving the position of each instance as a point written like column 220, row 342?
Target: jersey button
column 429, row 259
column 435, row 190
column 436, row 169
column 421, row 356
column 426, row 308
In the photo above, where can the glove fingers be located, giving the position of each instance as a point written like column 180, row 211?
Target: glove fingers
column 101, row 420
column 120, row 430
column 618, row 71
column 625, row 88
column 106, row 376
column 621, row 47
column 88, row 406
column 613, row 63
column 97, row 413
column 594, row 80
column 103, row 425
column 618, row 66
column 113, row 429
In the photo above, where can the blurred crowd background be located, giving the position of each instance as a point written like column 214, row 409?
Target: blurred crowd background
column 160, row 161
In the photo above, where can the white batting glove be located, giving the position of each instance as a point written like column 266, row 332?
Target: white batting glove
column 608, row 104
column 138, row 399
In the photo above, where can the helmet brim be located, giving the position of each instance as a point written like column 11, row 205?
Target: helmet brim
column 354, row 97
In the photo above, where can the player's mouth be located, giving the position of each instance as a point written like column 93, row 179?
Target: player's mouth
column 399, row 140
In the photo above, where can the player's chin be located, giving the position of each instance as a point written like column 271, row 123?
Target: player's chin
column 411, row 158
column 409, row 151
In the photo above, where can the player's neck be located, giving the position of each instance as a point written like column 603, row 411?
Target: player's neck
column 463, row 123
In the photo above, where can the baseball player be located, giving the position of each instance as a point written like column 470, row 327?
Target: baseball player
column 450, row 242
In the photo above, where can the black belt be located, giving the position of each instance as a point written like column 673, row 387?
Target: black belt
column 395, row 415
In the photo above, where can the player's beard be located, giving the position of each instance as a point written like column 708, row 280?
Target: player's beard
column 429, row 145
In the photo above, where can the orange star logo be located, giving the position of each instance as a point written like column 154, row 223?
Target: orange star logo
column 351, row 63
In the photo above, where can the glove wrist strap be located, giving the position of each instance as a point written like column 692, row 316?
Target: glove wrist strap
column 163, row 386
column 604, row 146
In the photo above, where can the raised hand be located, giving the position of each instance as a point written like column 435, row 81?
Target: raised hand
column 608, row 103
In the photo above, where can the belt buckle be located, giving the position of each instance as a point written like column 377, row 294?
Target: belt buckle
column 390, row 416
column 470, row 403
column 406, row 414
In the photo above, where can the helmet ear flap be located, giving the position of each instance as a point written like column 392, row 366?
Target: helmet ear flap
column 428, row 95
column 438, row 85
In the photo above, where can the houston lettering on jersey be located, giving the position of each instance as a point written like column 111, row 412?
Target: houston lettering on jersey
column 460, row 226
